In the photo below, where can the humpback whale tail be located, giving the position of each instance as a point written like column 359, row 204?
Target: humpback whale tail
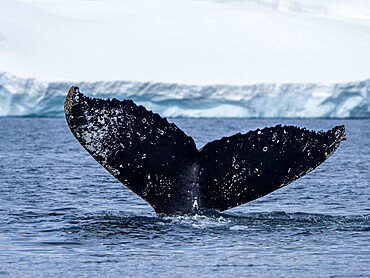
column 161, row 164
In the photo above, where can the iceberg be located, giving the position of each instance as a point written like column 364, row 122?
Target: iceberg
column 30, row 97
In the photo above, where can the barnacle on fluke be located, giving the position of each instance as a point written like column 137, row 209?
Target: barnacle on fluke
column 161, row 164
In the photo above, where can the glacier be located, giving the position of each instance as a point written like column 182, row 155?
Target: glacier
column 28, row 97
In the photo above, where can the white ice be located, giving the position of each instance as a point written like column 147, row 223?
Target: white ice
column 29, row 97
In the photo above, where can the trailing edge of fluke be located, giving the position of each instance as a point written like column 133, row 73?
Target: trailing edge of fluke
column 161, row 164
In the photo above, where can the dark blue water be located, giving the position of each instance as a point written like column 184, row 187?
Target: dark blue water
column 62, row 214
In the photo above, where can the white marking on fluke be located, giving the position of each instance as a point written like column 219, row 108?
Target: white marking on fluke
column 195, row 203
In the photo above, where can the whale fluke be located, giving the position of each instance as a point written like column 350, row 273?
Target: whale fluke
column 161, row 164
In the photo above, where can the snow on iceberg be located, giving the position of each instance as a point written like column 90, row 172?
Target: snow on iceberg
column 29, row 97
column 187, row 41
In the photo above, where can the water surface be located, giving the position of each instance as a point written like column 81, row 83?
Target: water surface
column 62, row 214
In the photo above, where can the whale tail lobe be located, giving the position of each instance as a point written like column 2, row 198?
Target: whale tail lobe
column 161, row 164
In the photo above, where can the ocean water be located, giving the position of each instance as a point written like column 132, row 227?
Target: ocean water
column 62, row 214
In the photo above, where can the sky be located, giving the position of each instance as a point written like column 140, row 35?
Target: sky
column 187, row 41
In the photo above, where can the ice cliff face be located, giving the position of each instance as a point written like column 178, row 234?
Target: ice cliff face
column 29, row 97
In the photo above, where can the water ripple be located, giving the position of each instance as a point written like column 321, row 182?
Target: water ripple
column 63, row 213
